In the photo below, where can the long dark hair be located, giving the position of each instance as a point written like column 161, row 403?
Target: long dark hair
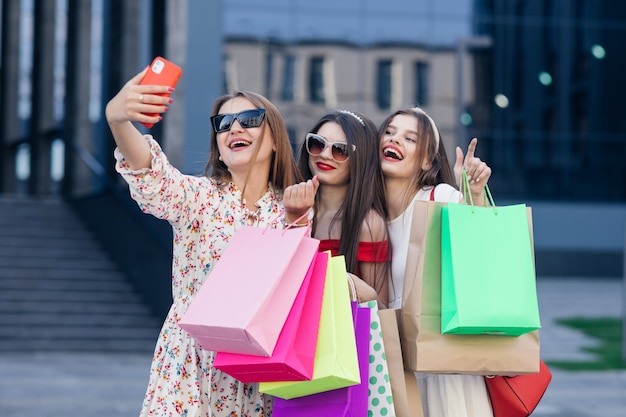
column 366, row 189
column 434, row 151
column 283, row 170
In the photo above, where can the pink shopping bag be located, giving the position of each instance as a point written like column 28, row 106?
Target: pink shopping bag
column 336, row 363
column 246, row 298
column 343, row 402
column 292, row 359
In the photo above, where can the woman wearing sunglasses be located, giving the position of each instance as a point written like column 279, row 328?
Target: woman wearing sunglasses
column 349, row 211
column 416, row 167
column 249, row 168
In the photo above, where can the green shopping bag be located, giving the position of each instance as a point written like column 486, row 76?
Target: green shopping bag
column 487, row 269
column 336, row 361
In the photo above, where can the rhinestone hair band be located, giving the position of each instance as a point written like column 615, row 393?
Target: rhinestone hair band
column 432, row 124
column 356, row 116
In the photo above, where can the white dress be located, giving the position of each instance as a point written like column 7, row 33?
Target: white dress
column 443, row 395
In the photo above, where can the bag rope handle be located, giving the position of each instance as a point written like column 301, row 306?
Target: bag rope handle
column 288, row 225
column 465, row 190
column 352, row 287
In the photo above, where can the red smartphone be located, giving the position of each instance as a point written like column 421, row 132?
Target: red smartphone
column 161, row 72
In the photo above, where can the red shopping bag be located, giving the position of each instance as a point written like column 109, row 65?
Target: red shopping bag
column 518, row 396
column 293, row 356
column 246, row 298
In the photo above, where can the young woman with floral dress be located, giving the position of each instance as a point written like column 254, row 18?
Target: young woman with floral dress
column 251, row 177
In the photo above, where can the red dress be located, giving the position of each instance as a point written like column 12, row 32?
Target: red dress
column 366, row 251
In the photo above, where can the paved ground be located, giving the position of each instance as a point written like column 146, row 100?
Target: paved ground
column 91, row 385
column 579, row 394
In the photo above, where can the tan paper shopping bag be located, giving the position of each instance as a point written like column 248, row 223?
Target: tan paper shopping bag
column 407, row 400
column 424, row 348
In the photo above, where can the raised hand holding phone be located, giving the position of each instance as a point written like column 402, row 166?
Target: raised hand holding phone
column 161, row 72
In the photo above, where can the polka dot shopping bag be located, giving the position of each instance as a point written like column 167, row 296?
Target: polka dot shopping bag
column 380, row 402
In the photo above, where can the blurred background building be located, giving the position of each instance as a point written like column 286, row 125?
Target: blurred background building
column 538, row 81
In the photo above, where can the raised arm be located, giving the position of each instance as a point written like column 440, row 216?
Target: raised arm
column 133, row 103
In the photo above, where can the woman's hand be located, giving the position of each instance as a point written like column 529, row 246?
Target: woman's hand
column 138, row 103
column 478, row 172
column 131, row 104
column 298, row 199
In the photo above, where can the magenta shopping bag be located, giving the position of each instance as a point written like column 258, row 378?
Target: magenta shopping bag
column 342, row 402
column 292, row 359
column 246, row 298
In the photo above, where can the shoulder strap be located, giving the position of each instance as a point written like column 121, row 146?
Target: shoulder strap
column 432, row 193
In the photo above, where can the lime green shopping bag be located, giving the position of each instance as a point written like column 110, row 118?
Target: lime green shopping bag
column 336, row 362
column 487, row 270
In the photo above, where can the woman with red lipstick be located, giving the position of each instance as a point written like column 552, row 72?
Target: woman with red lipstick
column 416, row 167
column 250, row 168
column 349, row 210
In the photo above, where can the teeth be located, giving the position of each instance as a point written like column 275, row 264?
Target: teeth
column 392, row 153
column 239, row 143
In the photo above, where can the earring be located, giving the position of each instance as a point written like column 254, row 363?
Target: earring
column 220, row 158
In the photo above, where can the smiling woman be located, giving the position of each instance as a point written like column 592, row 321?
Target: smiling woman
column 416, row 168
column 249, row 169
column 349, row 212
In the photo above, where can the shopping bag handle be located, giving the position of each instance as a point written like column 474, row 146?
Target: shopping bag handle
column 288, row 225
column 465, row 190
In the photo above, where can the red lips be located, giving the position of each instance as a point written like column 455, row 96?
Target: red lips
column 324, row 167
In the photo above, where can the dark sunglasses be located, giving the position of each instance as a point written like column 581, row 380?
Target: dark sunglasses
column 315, row 145
column 246, row 118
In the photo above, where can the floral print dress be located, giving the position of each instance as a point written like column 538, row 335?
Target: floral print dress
column 204, row 216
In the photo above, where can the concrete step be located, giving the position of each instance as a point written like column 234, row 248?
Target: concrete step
column 14, row 284
column 22, row 228
column 59, row 307
column 63, row 332
column 107, row 296
column 78, row 345
column 68, row 261
column 32, row 244
column 117, row 319
column 51, row 252
column 77, row 273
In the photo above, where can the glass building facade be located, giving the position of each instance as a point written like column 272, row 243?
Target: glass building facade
column 537, row 81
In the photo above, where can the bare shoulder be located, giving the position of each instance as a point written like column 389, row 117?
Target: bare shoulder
column 374, row 228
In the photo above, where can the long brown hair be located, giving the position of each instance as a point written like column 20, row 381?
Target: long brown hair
column 366, row 189
column 283, row 169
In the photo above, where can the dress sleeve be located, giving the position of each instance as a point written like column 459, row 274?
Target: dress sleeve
column 160, row 190
column 373, row 252
column 331, row 245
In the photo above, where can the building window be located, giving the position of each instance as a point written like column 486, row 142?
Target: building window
column 293, row 140
column 422, row 77
column 286, row 93
column 316, row 80
column 229, row 80
column 383, row 84
column 269, row 62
